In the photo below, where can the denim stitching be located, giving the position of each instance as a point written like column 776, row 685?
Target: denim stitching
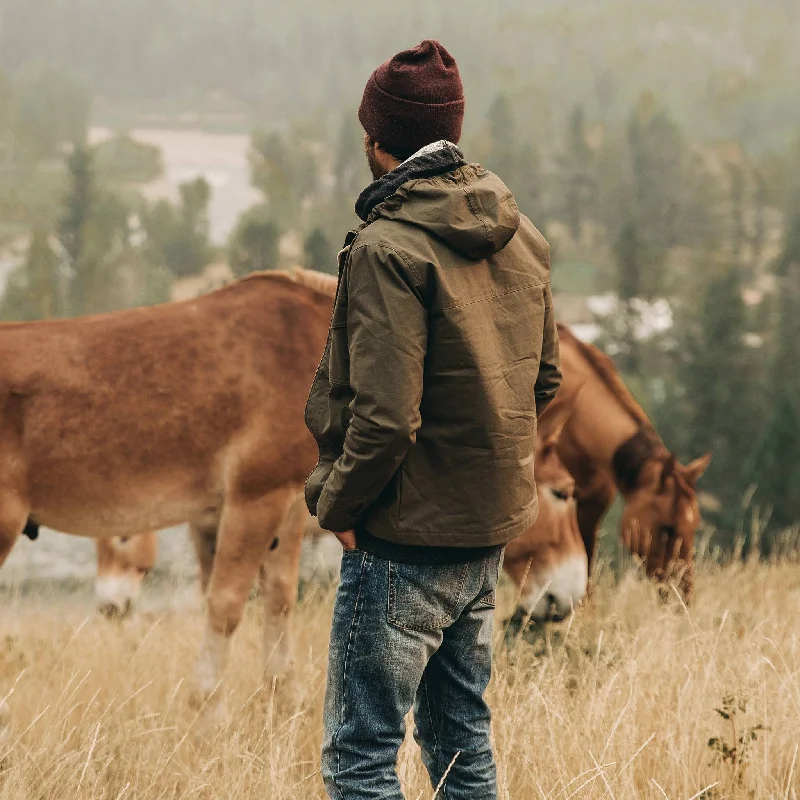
column 487, row 599
column 435, row 753
column 347, row 652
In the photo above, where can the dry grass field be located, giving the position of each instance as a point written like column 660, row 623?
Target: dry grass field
column 620, row 703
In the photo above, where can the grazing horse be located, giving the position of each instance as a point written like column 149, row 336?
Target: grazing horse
column 609, row 445
column 548, row 563
column 122, row 564
column 191, row 411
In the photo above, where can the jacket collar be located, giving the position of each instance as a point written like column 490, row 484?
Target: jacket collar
column 433, row 159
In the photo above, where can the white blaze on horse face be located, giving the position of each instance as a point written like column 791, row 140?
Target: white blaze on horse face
column 117, row 592
column 556, row 592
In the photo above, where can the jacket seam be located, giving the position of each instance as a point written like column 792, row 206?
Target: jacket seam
column 406, row 263
column 505, row 293
column 476, row 215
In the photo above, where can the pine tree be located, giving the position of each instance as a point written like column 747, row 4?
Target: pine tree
column 658, row 167
column 350, row 168
column 775, row 467
column 41, row 267
column 528, row 185
column 722, row 378
column 578, row 178
column 177, row 237
column 502, row 138
column 32, row 291
column 74, row 230
column 628, row 252
column 320, row 256
column 253, row 245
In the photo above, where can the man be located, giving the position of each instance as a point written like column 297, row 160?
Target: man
column 442, row 352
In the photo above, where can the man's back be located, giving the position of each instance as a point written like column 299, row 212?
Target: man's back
column 480, row 271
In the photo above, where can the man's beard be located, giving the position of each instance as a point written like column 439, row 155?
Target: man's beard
column 375, row 168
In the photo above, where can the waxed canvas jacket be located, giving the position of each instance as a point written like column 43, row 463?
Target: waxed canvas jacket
column 442, row 353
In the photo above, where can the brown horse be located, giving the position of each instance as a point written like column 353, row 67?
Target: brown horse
column 191, row 411
column 610, row 445
column 122, row 564
column 548, row 563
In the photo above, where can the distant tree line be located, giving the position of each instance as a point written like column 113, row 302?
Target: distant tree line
column 728, row 66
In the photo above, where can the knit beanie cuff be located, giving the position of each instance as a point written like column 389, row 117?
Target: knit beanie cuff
column 405, row 125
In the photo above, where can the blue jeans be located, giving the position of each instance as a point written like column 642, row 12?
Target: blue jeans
column 408, row 634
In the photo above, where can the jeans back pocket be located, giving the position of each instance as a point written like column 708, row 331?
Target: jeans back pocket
column 425, row 597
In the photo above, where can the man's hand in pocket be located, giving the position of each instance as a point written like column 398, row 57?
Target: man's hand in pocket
column 347, row 540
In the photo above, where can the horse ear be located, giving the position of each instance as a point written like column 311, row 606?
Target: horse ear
column 557, row 416
column 695, row 469
column 668, row 470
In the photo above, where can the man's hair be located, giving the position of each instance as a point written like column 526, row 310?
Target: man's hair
column 394, row 152
column 400, row 155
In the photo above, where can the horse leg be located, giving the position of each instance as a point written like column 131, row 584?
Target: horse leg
column 279, row 580
column 204, row 538
column 246, row 532
column 13, row 519
column 15, row 505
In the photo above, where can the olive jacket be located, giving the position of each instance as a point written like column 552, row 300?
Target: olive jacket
column 442, row 352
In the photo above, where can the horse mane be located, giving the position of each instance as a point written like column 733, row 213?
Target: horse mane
column 631, row 456
column 607, row 372
column 319, row 282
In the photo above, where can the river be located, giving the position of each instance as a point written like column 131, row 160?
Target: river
column 187, row 154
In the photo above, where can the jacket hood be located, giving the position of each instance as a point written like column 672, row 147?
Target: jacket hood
column 464, row 205
column 470, row 209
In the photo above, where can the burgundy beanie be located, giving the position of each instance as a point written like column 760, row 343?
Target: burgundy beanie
column 414, row 99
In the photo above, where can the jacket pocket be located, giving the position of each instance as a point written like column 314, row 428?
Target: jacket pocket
column 425, row 597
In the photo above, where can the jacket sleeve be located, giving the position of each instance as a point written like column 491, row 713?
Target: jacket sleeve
column 318, row 421
column 387, row 331
column 548, row 381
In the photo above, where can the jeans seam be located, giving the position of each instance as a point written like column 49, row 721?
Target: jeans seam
column 350, row 638
column 431, row 720
column 437, row 732
column 457, row 657
column 436, row 745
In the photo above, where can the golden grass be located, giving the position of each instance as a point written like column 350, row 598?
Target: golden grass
column 618, row 704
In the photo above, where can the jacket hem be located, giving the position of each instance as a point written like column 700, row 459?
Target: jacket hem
column 500, row 536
